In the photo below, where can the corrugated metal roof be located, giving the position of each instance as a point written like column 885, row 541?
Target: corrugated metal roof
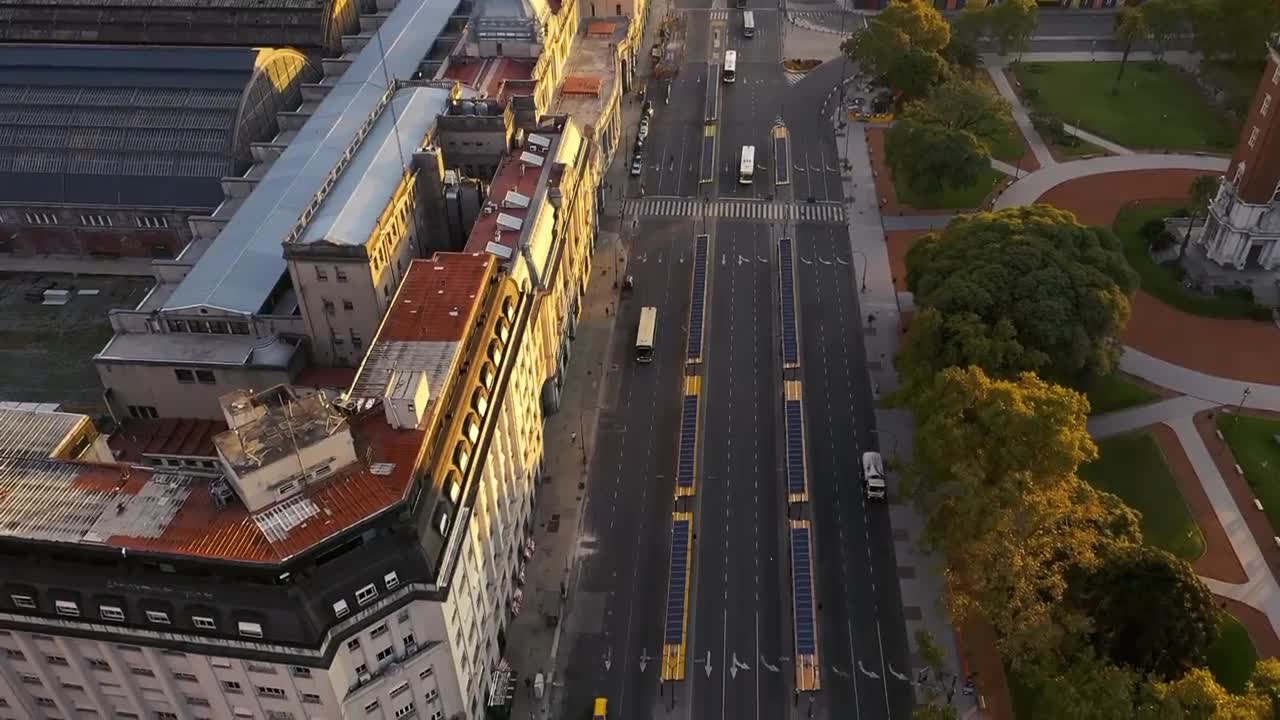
column 243, row 264
column 119, row 125
column 350, row 213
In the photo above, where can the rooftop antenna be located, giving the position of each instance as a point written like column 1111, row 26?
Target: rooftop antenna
column 293, row 439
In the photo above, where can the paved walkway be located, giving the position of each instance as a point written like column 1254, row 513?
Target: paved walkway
column 995, row 67
column 1217, row 390
column 1029, row 189
column 1101, row 142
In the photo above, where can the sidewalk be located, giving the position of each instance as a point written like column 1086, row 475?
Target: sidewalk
column 569, row 437
column 920, row 574
column 1020, row 115
column 1029, row 189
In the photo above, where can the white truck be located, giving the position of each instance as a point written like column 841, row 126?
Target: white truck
column 873, row 482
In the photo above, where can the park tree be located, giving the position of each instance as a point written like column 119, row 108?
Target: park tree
column 1012, row 24
column 1198, row 696
column 1265, row 682
column 1148, row 611
column 1062, row 287
column 928, row 158
column 1082, row 687
column 1236, row 30
column 1165, row 19
column 1130, row 28
column 1203, row 188
column 877, row 48
column 934, row 711
column 994, row 476
column 919, row 20
column 915, row 71
column 966, row 106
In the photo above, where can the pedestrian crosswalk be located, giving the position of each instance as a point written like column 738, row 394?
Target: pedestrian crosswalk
column 731, row 209
column 793, row 77
column 826, row 21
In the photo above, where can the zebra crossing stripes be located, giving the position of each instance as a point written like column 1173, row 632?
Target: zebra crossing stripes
column 730, row 209
column 719, row 15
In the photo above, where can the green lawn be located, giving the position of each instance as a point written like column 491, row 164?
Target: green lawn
column 1011, row 147
column 1238, row 82
column 1158, row 106
column 964, row 198
column 1116, row 392
column 1232, row 658
column 1252, row 442
column 1132, row 467
column 1163, row 281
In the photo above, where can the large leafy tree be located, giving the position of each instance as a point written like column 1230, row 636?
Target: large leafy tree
column 964, row 105
column 919, row 20
column 1197, row 696
column 903, row 44
column 914, row 72
column 1030, row 285
column 1166, row 19
column 1083, row 688
column 1012, row 24
column 994, row 475
column 1149, row 611
column 1234, row 29
column 928, row 157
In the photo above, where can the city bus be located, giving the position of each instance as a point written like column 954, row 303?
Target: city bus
column 645, row 334
column 747, row 168
column 748, row 24
column 730, row 66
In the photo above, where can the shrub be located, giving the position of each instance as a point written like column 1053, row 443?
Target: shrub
column 1030, row 94
column 1161, row 240
column 1151, row 229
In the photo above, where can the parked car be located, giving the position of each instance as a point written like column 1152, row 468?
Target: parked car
column 643, row 132
column 646, row 111
column 637, row 165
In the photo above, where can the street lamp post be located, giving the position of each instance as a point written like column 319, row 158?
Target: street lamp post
column 864, row 268
column 1240, row 407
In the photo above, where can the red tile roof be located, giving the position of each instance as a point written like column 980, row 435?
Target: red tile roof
column 464, row 70
column 435, row 299
column 512, row 174
column 170, row 436
column 504, row 70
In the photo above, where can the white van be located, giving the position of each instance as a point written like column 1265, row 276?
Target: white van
column 873, row 483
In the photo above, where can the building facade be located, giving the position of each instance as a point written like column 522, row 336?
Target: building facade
column 1242, row 230
column 358, row 558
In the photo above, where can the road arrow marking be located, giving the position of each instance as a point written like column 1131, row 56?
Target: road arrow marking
column 867, row 672
column 762, row 259
column 767, row 666
column 608, row 660
column 839, row 672
column 842, row 261
column 724, row 259
column 806, row 261
column 742, row 260
column 644, row 659
column 737, row 665
column 898, row 675
column 708, row 663
column 824, row 262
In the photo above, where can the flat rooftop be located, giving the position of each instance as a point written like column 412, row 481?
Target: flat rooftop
column 232, row 350
column 426, row 324
column 488, row 76
column 188, row 437
column 34, row 431
column 350, row 213
column 589, row 77
column 511, row 196
column 244, row 263
column 280, row 423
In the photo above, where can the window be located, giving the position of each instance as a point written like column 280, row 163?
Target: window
column 311, row 698
column 23, row 601
column 1253, row 136
column 66, row 608
column 370, row 707
column 166, row 715
column 1266, row 104
column 327, row 304
column 72, row 686
column 426, row 673
column 143, row 411
column 98, row 664
column 29, row 679
column 321, row 273
column 157, row 617
column 14, row 654
column 432, row 694
column 300, row 671
column 409, row 642
column 391, row 580
column 197, row 701
column 348, row 305
column 184, row 376
column 355, row 339
column 231, row 686
column 378, row 631
column 274, row 692
column 141, row 671
column 185, row 677
column 126, row 714
column 261, row 669
column 206, row 377
column 220, row 663
column 366, row 594
column 286, row 488
column 362, row 669
column 151, row 221
column 57, row 660
column 340, row 608
column 110, row 612
column 250, row 629
column 353, row 644
column 96, row 220
column 437, row 715
column 384, row 653
column 340, row 274
column 44, row 702
column 406, row 710
column 203, row 623
column 400, row 689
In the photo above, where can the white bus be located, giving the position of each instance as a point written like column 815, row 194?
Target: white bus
column 747, row 168
column 645, row 334
column 748, row 24
column 730, row 66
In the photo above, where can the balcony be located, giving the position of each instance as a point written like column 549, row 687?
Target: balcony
column 411, row 652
